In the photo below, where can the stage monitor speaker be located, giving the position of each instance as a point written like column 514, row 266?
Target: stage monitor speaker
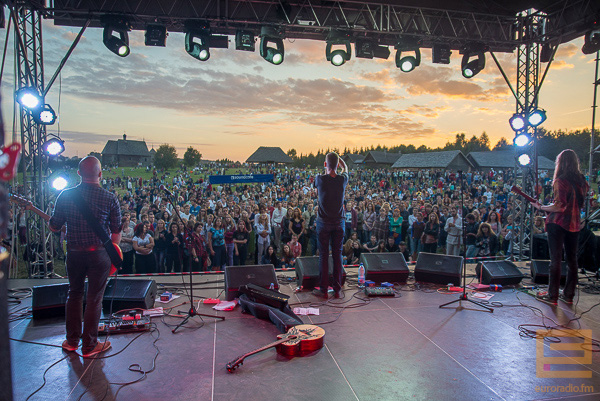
column 540, row 271
column 385, row 266
column 49, row 300
column 129, row 293
column 438, row 268
column 237, row 276
column 501, row 272
column 539, row 246
column 307, row 272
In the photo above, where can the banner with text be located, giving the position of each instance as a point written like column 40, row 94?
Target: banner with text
column 240, row 179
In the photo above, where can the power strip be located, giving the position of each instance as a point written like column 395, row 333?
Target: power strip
column 380, row 291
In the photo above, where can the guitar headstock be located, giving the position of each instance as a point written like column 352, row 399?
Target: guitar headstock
column 231, row 366
column 19, row 200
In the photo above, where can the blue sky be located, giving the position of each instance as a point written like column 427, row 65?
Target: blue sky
column 236, row 101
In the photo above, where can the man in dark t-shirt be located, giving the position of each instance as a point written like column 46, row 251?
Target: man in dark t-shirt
column 331, row 222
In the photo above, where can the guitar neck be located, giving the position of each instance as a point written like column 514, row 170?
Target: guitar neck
column 40, row 213
column 240, row 359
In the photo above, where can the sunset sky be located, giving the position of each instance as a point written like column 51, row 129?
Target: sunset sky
column 235, row 102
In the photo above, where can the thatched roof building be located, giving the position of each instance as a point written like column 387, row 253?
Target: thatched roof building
column 269, row 154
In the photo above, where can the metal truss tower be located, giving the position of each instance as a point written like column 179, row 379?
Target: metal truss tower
column 528, row 84
column 30, row 73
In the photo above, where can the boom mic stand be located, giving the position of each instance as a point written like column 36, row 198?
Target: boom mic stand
column 192, row 312
column 463, row 296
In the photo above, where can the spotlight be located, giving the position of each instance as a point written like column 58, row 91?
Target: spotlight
column 517, row 122
column 53, row 146
column 117, row 44
column 408, row 63
column 29, row 98
column 473, row 67
column 536, row 117
column 196, row 44
column 591, row 42
column 338, row 56
column 524, row 159
column 59, row 182
column 522, row 140
column 44, row 115
column 156, row 35
column 441, row 54
column 367, row 49
column 244, row 40
column 273, row 55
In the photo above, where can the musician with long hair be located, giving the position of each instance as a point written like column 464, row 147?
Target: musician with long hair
column 563, row 224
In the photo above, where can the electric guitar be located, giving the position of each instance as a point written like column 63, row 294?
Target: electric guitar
column 28, row 205
column 518, row 191
column 298, row 341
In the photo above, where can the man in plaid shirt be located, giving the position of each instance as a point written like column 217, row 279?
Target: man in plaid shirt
column 86, row 256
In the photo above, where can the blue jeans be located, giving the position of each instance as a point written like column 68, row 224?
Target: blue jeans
column 472, row 251
column 330, row 235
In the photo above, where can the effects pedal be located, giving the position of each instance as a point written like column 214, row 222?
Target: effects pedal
column 126, row 324
column 380, row 292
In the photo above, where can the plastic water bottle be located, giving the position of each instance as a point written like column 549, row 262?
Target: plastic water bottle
column 361, row 276
column 272, row 286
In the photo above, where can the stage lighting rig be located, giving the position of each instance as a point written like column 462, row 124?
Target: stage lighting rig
column 440, row 53
column 244, row 40
column 44, row 115
column 29, row 98
column 270, row 35
column 591, row 42
column 524, row 160
column 59, row 182
column 536, row 117
column 196, row 44
column 410, row 62
column 469, row 67
column 54, row 146
column 156, row 35
column 368, row 49
column 517, row 122
column 522, row 140
column 115, row 36
column 340, row 55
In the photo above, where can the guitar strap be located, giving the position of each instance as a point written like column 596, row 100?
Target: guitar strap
column 86, row 212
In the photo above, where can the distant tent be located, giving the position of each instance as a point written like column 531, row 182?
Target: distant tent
column 503, row 160
column 450, row 159
column 377, row 158
column 268, row 154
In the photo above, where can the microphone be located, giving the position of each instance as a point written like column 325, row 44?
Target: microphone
column 163, row 188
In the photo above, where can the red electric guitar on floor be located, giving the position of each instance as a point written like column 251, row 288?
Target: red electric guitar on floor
column 299, row 340
column 29, row 206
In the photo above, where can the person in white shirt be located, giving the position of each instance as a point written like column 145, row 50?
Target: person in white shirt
column 278, row 215
column 454, row 229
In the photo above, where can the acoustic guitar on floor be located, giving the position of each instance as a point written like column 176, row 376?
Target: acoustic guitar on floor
column 298, row 341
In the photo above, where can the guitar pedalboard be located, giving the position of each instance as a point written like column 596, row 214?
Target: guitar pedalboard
column 126, row 324
column 380, row 291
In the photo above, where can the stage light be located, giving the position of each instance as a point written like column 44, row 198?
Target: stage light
column 591, row 42
column 522, row 140
column 524, row 159
column 196, row 44
column 244, row 40
column 273, row 55
column 119, row 43
column 473, row 67
column 29, row 97
column 53, row 146
column 368, row 49
column 338, row 56
column 156, row 35
column 517, row 122
column 440, row 54
column 408, row 63
column 536, row 117
column 59, row 182
column 44, row 115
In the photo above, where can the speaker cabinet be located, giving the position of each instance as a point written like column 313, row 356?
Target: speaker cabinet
column 307, row 272
column 385, row 266
column 237, row 276
column 540, row 271
column 49, row 300
column 438, row 268
column 129, row 293
column 500, row 272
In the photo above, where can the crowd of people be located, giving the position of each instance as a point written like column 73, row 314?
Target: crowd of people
column 206, row 226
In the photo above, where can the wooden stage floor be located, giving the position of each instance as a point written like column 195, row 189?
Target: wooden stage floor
column 401, row 348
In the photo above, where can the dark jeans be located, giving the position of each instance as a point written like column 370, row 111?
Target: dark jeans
column 160, row 256
column 330, row 235
column 127, row 267
column 219, row 258
column 559, row 239
column 173, row 262
column 431, row 248
column 240, row 260
column 96, row 266
column 145, row 263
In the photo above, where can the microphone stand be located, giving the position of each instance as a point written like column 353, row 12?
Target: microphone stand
column 192, row 312
column 463, row 296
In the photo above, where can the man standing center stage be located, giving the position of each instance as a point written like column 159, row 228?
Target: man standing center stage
column 331, row 188
column 86, row 256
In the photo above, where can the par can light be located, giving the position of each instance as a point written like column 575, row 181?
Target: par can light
column 53, row 146
column 524, row 159
column 29, row 98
